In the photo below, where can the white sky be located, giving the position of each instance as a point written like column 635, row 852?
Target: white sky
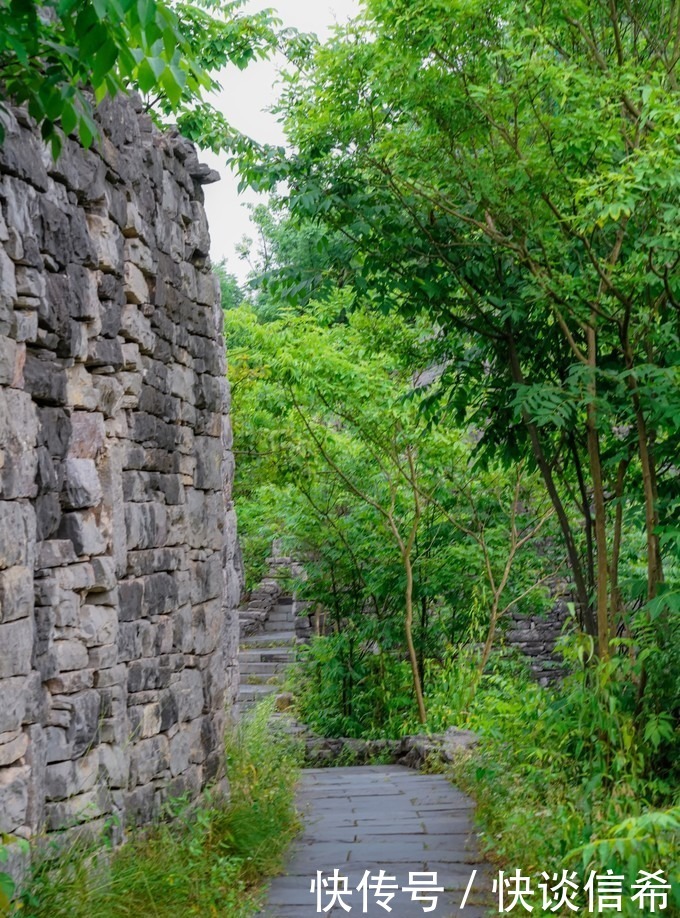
column 245, row 94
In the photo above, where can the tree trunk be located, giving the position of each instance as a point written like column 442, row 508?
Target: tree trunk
column 423, row 637
column 585, row 509
column 602, row 572
column 488, row 644
column 406, row 558
column 654, row 565
column 616, row 602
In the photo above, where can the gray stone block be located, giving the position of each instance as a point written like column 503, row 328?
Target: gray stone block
column 83, row 720
column 82, row 528
column 13, row 798
column 188, row 695
column 18, row 439
column 135, row 327
column 80, row 391
column 98, row 624
column 145, row 720
column 107, row 242
column 209, row 463
column 13, row 707
column 78, row 809
column 141, row 805
column 131, row 594
column 70, row 655
column 208, row 622
column 46, row 473
column 103, row 657
column 69, row 682
column 81, row 485
column 54, row 430
column 115, row 765
column 16, row 593
column 104, row 574
column 55, row 553
column 146, row 525
column 16, row 641
column 47, row 517
column 44, row 378
column 86, row 435
column 13, row 747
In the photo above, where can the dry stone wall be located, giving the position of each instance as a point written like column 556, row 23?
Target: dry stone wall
column 118, row 591
column 535, row 636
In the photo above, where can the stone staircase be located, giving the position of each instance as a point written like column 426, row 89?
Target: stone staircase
column 264, row 656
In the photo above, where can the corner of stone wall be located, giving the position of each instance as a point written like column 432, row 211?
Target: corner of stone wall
column 118, row 589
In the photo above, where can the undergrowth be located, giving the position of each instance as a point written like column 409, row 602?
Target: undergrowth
column 205, row 859
column 575, row 778
column 583, row 776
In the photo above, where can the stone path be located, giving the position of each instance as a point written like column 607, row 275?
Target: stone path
column 381, row 817
column 263, row 657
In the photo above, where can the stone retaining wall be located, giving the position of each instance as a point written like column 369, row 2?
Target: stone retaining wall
column 261, row 601
column 535, row 636
column 412, row 751
column 118, row 632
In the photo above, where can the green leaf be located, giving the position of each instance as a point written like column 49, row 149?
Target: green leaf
column 69, row 117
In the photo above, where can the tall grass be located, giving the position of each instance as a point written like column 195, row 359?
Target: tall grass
column 207, row 860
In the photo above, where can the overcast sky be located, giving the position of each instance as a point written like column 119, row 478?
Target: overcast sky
column 245, row 96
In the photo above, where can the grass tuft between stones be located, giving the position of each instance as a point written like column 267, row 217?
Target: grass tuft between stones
column 209, row 859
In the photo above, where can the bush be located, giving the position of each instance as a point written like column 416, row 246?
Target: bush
column 345, row 686
column 580, row 770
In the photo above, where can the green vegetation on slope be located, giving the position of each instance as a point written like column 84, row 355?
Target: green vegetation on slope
column 572, row 779
column 510, row 170
column 497, row 184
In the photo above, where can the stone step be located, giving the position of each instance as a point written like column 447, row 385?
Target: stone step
column 241, row 709
column 262, row 668
column 261, row 679
column 266, row 655
column 269, row 639
column 255, row 692
column 278, row 628
column 285, row 617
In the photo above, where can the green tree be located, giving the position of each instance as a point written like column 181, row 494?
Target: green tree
column 390, row 513
column 512, row 170
column 231, row 294
column 293, row 261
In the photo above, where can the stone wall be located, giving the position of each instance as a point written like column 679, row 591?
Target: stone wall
column 535, row 636
column 261, row 602
column 118, row 592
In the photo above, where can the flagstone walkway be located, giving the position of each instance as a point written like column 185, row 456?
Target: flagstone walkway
column 381, row 817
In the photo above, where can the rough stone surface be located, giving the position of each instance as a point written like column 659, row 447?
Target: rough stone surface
column 413, row 751
column 535, row 637
column 118, row 628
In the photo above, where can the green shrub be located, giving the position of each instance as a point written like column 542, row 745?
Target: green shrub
column 580, row 770
column 347, row 687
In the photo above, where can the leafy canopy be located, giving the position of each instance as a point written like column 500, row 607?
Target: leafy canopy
column 511, row 169
column 60, row 56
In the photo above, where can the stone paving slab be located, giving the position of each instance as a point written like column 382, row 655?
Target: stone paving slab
column 381, row 817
